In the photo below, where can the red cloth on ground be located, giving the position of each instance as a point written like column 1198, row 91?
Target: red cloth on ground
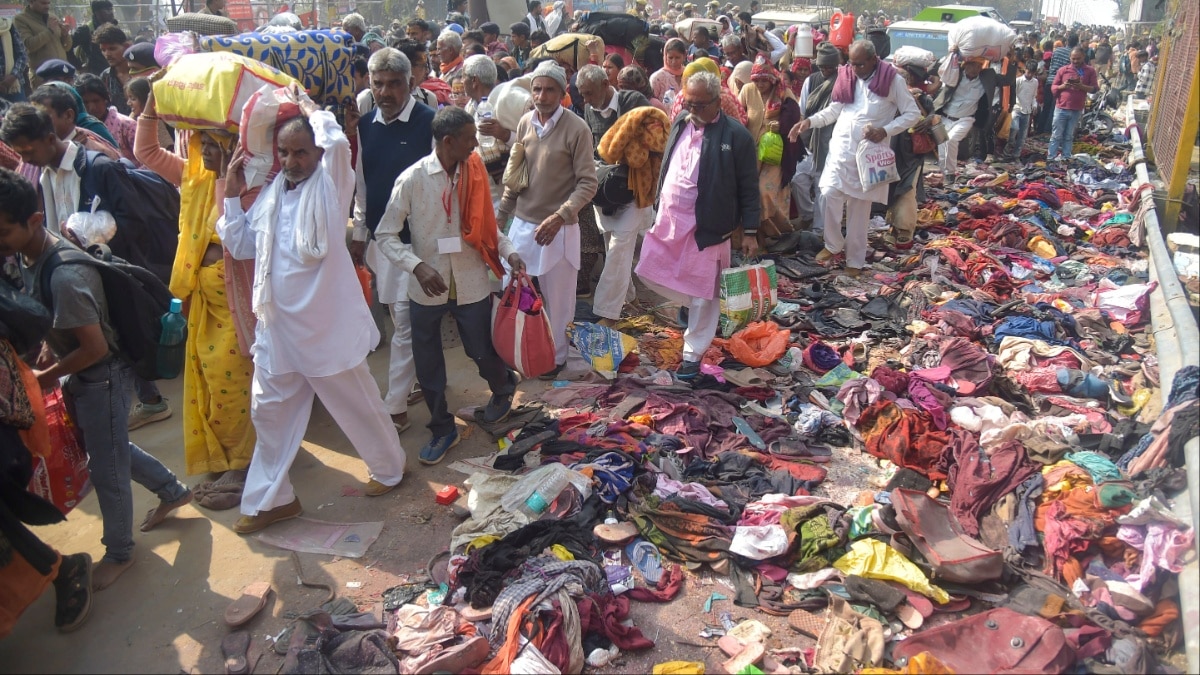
column 979, row 479
column 668, row 587
column 905, row 437
column 604, row 614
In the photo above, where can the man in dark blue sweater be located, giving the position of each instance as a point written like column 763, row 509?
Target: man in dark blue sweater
column 391, row 138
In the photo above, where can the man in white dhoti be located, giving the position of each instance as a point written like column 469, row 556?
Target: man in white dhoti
column 870, row 100
column 314, row 329
column 562, row 180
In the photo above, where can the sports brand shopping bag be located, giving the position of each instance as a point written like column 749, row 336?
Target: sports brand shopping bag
column 748, row 293
column 521, row 330
column 876, row 164
column 61, row 477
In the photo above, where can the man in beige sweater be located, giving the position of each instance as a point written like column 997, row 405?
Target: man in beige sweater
column 562, row 180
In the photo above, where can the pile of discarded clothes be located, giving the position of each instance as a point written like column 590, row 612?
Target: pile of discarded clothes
column 1002, row 373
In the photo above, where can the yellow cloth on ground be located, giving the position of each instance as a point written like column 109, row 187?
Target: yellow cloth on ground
column 921, row 664
column 679, row 668
column 561, row 552
column 217, row 433
column 874, row 559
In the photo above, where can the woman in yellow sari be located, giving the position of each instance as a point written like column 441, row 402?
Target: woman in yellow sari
column 218, row 435
column 771, row 106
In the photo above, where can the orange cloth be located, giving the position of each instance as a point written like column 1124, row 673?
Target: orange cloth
column 502, row 662
column 20, row 585
column 447, row 67
column 1165, row 612
column 477, row 214
column 36, row 437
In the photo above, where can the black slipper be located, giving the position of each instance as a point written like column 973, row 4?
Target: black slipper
column 73, row 591
column 234, row 648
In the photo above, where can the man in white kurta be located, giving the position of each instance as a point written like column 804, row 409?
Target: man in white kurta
column 871, row 116
column 314, row 328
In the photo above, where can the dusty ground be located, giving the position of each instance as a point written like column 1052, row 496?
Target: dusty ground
column 165, row 614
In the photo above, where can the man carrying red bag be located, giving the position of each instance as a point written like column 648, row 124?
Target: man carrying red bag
column 455, row 241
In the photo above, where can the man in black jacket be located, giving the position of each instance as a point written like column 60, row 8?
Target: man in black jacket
column 708, row 189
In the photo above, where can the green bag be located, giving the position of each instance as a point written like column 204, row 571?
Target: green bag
column 748, row 293
column 770, row 148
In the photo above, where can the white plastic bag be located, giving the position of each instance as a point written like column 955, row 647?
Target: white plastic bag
column 94, row 227
column 981, row 37
column 912, row 55
column 876, row 164
column 950, row 70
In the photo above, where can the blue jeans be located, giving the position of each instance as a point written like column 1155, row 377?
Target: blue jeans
column 1062, row 136
column 1016, row 135
column 98, row 398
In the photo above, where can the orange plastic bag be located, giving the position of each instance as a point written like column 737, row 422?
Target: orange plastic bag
column 759, row 344
column 364, row 280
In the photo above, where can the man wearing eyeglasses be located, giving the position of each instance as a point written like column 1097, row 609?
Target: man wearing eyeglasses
column 708, row 189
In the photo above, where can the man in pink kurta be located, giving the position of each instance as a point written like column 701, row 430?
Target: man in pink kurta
column 709, row 189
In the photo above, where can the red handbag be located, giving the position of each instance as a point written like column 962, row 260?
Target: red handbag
column 522, row 336
column 998, row 641
column 936, row 533
column 62, row 477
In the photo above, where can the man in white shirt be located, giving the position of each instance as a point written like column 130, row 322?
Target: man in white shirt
column 878, row 108
column 314, row 329
column 958, row 106
column 1023, row 110
column 447, row 265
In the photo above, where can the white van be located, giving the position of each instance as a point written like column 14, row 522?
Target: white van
column 929, row 35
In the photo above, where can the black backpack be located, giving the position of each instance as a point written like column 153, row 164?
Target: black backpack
column 612, row 188
column 137, row 300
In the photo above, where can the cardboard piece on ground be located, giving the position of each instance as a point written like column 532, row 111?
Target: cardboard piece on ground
column 349, row 540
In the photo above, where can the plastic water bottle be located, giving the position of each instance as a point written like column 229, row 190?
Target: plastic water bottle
column 171, row 342
column 539, row 491
column 483, row 113
column 668, row 98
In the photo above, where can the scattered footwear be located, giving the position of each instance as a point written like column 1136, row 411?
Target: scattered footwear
column 805, row 622
column 437, row 447
column 106, row 572
column 616, row 534
column 234, row 648
column 248, row 604
column 142, row 414
column 155, row 516
column 264, row 519
column 376, row 489
column 73, row 592
column 645, row 557
column 852, row 272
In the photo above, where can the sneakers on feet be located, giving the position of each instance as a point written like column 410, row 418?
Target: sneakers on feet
column 142, row 414
column 688, row 370
column 251, row 524
column 499, row 405
column 437, row 447
column 73, row 592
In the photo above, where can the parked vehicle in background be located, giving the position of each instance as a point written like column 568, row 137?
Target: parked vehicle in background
column 953, row 13
column 929, row 35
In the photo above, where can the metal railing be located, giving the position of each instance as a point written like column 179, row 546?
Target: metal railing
column 1177, row 340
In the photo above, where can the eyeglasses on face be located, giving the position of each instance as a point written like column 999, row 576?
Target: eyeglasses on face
column 696, row 105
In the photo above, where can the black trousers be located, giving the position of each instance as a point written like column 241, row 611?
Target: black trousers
column 475, row 328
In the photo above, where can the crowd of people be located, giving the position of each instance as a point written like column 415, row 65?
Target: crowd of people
column 273, row 302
